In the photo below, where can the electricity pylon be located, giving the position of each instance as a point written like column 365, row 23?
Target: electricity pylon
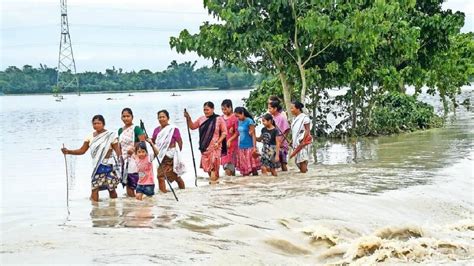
column 66, row 65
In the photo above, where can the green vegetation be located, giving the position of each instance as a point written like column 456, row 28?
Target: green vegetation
column 366, row 49
column 397, row 112
column 177, row 76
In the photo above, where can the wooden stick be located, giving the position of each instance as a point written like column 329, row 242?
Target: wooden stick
column 67, row 184
column 192, row 153
column 142, row 125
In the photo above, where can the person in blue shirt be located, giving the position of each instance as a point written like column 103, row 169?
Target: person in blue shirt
column 247, row 156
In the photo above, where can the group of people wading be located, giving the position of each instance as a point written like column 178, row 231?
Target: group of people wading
column 228, row 140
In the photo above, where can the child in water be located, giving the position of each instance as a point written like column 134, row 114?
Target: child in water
column 271, row 146
column 144, row 162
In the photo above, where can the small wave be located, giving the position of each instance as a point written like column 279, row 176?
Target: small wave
column 287, row 247
column 199, row 225
column 320, row 234
column 463, row 225
column 400, row 233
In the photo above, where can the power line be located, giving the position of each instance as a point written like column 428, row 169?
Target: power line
column 133, row 10
column 113, row 27
column 34, row 45
column 118, row 9
column 126, row 27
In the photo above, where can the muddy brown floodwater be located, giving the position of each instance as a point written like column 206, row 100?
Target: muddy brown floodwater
column 395, row 199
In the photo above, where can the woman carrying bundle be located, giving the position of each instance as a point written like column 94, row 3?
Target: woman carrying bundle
column 212, row 131
column 101, row 143
column 169, row 143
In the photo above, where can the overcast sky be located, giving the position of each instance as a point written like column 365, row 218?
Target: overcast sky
column 128, row 34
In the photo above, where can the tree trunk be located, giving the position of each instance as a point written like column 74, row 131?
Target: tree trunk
column 354, row 109
column 370, row 107
column 445, row 102
column 315, row 128
column 315, row 102
column 286, row 92
column 303, row 81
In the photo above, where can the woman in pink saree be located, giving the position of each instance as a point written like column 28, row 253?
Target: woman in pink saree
column 212, row 132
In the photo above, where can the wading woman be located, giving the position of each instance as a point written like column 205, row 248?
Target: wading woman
column 101, row 143
column 300, row 131
column 247, row 162
column 169, row 143
column 129, row 137
column 283, row 127
column 229, row 151
column 212, row 131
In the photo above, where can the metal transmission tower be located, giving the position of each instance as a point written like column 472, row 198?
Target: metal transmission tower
column 66, row 65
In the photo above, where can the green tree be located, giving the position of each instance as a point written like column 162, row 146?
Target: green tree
column 285, row 38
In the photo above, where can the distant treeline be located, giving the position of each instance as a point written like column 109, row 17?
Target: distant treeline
column 177, row 76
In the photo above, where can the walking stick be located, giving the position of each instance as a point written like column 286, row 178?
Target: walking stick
column 192, row 153
column 159, row 163
column 67, row 184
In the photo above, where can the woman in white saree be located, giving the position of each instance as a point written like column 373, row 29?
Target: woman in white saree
column 300, row 131
column 102, row 143
column 167, row 139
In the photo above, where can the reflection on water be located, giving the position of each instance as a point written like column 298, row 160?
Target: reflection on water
column 130, row 213
column 105, row 214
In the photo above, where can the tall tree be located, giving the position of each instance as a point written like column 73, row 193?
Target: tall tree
column 282, row 37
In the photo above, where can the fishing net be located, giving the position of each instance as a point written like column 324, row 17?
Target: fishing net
column 71, row 170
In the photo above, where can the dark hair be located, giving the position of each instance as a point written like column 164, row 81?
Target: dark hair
column 209, row 104
column 269, row 117
column 298, row 105
column 142, row 145
column 274, row 98
column 128, row 110
column 242, row 110
column 98, row 117
column 164, row 112
column 277, row 105
column 227, row 103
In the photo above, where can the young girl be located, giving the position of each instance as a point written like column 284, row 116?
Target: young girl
column 129, row 136
column 229, row 154
column 144, row 162
column 271, row 146
column 246, row 160
column 283, row 127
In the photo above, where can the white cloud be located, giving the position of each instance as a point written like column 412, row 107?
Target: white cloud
column 131, row 34
column 466, row 6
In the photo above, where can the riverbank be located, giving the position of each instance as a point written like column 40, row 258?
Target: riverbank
column 132, row 91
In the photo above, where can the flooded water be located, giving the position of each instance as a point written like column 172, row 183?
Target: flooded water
column 395, row 199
